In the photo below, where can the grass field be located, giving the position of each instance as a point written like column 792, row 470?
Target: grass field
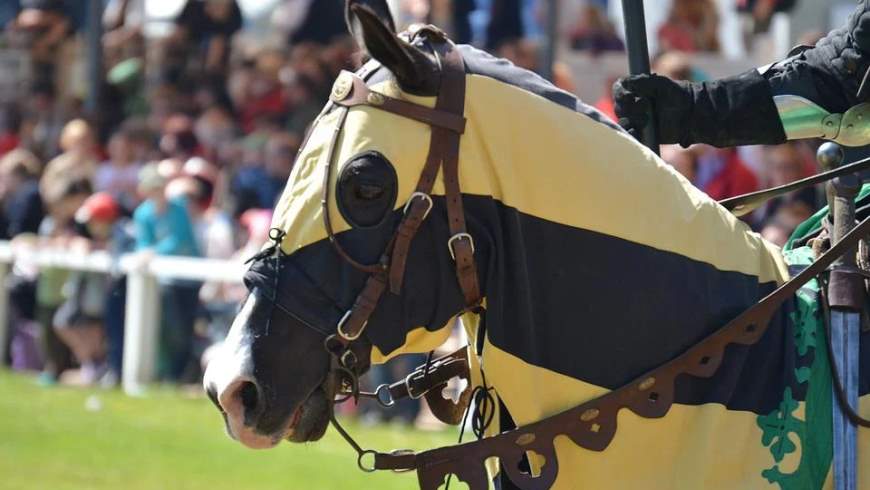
column 67, row 438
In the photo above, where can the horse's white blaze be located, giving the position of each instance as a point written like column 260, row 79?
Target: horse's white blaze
column 233, row 359
column 232, row 366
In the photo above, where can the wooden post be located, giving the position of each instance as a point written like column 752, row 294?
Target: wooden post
column 140, row 329
column 4, row 313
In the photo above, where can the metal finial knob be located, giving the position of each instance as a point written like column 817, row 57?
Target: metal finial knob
column 830, row 155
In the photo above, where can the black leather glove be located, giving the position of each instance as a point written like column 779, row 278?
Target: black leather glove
column 634, row 98
column 728, row 112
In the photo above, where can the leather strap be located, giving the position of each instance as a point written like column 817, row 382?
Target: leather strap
column 461, row 244
column 360, row 94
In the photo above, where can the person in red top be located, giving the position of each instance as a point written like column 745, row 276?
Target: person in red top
column 733, row 178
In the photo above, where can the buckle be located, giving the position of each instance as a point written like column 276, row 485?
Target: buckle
column 411, row 394
column 384, row 397
column 423, row 196
column 342, row 333
column 459, row 236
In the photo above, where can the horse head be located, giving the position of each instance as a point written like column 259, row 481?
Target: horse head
column 270, row 381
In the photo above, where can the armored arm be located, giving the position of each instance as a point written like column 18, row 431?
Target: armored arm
column 812, row 93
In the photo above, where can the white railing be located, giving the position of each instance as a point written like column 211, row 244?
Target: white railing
column 142, row 313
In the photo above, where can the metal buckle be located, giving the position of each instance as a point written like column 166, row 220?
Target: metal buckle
column 411, row 394
column 384, row 397
column 459, row 236
column 348, row 359
column 341, row 323
column 421, row 195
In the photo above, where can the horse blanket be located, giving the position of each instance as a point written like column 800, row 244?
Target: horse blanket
column 600, row 262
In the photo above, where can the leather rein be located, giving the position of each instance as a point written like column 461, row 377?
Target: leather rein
column 592, row 424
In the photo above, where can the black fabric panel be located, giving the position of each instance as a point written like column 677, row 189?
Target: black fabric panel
column 587, row 305
column 621, row 309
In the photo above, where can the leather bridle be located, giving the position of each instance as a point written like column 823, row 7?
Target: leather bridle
column 447, row 123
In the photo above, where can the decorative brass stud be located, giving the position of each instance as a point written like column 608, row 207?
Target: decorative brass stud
column 525, row 439
column 342, row 86
column 375, row 98
column 590, row 415
column 646, row 384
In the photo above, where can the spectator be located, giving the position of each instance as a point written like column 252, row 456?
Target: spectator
column 321, row 24
column 721, row 173
column 462, row 10
column 178, row 143
column 595, row 32
column 19, row 194
column 120, row 173
column 10, row 128
column 108, row 229
column 56, row 230
column 212, row 227
column 505, row 23
column 692, row 26
column 259, row 184
column 163, row 227
column 784, row 164
column 43, row 122
column 77, row 162
column 207, row 26
column 78, row 321
column 760, row 12
column 41, row 26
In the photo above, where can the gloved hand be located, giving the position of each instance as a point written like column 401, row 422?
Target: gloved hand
column 732, row 111
column 635, row 96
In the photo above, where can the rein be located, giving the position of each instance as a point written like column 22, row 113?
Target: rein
column 592, row 424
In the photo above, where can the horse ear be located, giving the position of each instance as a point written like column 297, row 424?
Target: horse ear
column 378, row 7
column 415, row 70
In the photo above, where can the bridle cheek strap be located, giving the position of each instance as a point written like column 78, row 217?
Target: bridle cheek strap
column 448, row 124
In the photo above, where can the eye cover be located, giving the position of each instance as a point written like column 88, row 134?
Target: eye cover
column 366, row 189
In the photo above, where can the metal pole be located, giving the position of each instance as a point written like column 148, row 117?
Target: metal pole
column 845, row 295
column 552, row 41
column 638, row 59
column 94, row 43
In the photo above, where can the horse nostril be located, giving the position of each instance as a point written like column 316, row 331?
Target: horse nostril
column 250, row 396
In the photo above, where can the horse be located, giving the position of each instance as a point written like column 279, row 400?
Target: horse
column 594, row 261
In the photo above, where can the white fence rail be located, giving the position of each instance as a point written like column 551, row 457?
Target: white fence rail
column 142, row 313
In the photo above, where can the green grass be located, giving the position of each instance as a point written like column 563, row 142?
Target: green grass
column 49, row 440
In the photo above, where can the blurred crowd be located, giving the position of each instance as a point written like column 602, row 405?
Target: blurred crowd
column 194, row 135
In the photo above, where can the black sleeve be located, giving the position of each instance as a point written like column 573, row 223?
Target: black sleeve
column 733, row 111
